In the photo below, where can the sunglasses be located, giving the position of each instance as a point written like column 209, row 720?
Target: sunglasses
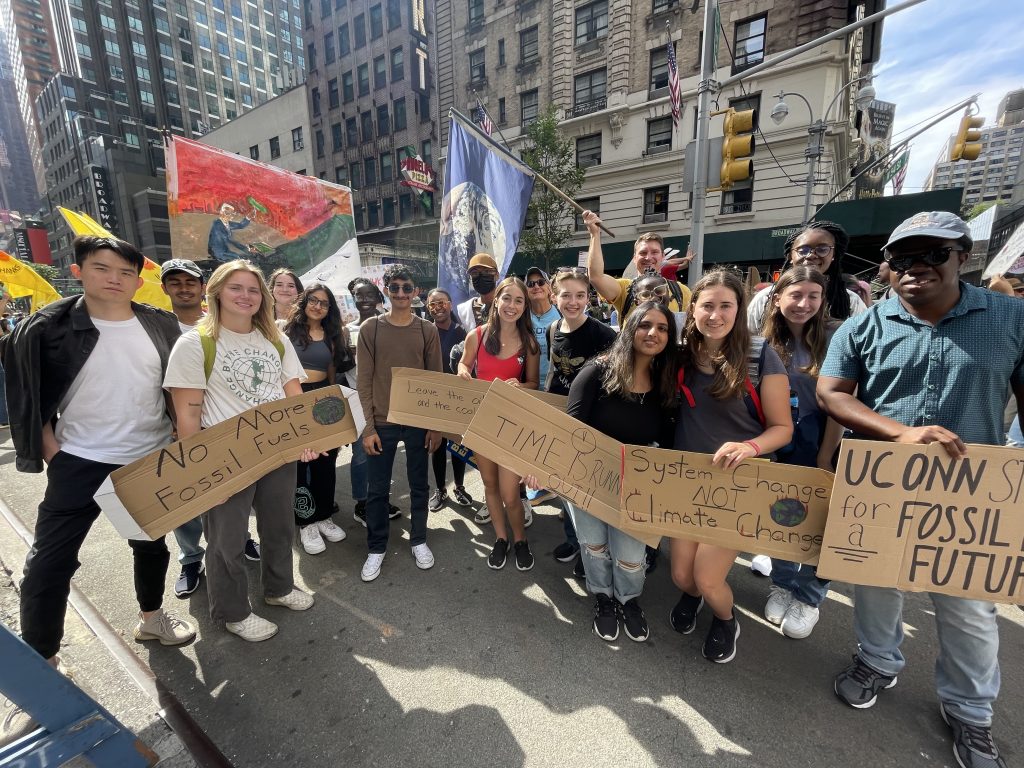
column 821, row 251
column 571, row 270
column 646, row 295
column 901, row 262
column 397, row 288
column 315, row 302
column 536, row 283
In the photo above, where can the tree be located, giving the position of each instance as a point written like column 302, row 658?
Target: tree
column 980, row 208
column 550, row 218
column 48, row 272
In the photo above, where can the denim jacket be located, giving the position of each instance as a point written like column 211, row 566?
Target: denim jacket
column 43, row 356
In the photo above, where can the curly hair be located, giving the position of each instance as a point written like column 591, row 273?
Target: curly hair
column 618, row 364
column 398, row 272
column 836, row 296
column 356, row 282
column 730, row 360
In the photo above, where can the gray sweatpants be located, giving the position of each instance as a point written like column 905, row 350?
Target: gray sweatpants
column 227, row 527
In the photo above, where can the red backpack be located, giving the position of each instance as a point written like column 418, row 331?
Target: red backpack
column 755, row 363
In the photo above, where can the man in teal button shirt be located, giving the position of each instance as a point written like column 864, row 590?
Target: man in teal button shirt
column 931, row 364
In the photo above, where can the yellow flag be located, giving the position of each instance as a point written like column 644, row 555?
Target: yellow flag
column 21, row 280
column 152, row 291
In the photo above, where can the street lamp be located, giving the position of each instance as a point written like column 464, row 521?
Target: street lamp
column 816, row 130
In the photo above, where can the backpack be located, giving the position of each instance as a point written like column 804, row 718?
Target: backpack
column 210, row 350
column 752, row 383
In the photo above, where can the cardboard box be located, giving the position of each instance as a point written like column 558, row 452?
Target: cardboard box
column 909, row 516
column 178, row 483
column 758, row 506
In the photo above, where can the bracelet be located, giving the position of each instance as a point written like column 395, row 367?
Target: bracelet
column 755, row 446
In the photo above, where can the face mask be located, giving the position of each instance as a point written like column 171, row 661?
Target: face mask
column 484, row 284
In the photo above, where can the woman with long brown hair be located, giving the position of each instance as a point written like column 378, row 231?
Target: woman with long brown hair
column 725, row 413
column 504, row 348
column 285, row 288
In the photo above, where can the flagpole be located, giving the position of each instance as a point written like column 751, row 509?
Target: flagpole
column 482, row 108
column 467, row 123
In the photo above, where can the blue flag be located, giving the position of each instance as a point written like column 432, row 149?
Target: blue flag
column 486, row 193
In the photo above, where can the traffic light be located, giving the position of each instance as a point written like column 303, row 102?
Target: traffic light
column 966, row 146
column 738, row 146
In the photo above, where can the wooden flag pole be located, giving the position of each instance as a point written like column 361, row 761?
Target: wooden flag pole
column 570, row 201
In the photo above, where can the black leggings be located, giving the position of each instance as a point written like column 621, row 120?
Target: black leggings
column 315, row 481
column 440, row 462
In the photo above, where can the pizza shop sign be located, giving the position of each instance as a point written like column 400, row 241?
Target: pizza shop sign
column 418, row 174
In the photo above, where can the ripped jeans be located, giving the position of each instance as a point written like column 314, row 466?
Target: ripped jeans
column 614, row 561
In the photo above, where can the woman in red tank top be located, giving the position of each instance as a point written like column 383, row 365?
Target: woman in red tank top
column 505, row 348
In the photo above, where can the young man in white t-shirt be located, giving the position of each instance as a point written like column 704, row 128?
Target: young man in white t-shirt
column 85, row 375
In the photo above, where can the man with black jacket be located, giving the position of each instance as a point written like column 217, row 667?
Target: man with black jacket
column 84, row 379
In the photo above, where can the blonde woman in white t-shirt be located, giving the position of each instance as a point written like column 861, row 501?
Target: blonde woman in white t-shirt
column 253, row 364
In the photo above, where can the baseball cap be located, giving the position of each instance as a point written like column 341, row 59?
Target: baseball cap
column 537, row 271
column 181, row 265
column 940, row 224
column 483, row 260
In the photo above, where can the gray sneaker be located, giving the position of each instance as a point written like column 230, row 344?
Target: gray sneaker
column 973, row 745
column 858, row 685
column 165, row 627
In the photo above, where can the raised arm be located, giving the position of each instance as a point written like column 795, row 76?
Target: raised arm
column 606, row 285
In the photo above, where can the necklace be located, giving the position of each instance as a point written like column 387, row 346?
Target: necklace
column 640, row 396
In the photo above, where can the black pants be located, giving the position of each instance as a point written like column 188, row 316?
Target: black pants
column 65, row 516
column 315, row 481
column 440, row 462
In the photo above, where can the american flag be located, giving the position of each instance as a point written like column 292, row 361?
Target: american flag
column 673, row 84
column 901, row 176
column 481, row 118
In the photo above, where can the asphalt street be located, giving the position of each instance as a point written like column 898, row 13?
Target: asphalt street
column 464, row 666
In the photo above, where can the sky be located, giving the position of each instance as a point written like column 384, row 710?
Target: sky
column 940, row 52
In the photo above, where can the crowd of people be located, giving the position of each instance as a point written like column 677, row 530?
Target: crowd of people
column 781, row 374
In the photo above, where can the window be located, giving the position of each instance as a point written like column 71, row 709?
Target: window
column 254, row 151
column 388, row 211
column 383, row 121
column 397, row 65
column 325, row 8
column 394, row 14
column 370, row 171
column 528, row 45
column 336, row 143
column 319, row 143
column 332, row 93
column 588, row 204
column 501, row 52
column 589, row 92
column 399, row 114
column 297, row 143
column 655, row 205
column 387, row 167
column 343, row 44
column 404, row 207
column 502, row 119
column 659, row 134
column 315, row 93
column 477, row 66
column 427, row 152
column 476, row 11
column 366, row 118
column 659, row 68
column 588, row 150
column 352, row 131
column 591, row 21
column 364, row 79
column 328, row 51
column 275, row 147
column 347, row 87
column 341, row 175
column 359, row 30
column 380, row 73
column 376, row 22
column 528, row 107
column 748, row 43
column 355, row 172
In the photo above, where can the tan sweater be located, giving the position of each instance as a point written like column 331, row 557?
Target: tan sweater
column 383, row 346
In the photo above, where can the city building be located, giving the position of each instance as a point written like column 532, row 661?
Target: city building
column 18, row 190
column 374, row 112
column 604, row 64
column 130, row 69
column 1011, row 108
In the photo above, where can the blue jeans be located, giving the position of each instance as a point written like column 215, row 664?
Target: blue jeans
column 801, row 580
column 967, row 670
column 606, row 574
column 357, row 471
column 379, row 489
column 567, row 526
column 1014, row 438
column 187, row 535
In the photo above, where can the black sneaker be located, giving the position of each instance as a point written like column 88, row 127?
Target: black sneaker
column 684, row 616
column 720, row 644
column 437, row 500
column 188, row 581
column 359, row 513
column 462, row 498
column 524, row 557
column 252, row 551
column 578, row 570
column 634, row 621
column 606, row 618
column 499, row 553
column 973, row 746
column 393, row 512
column 565, row 552
column 858, row 685
column 651, row 557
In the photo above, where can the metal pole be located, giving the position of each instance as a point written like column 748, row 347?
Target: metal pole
column 815, row 149
column 700, row 175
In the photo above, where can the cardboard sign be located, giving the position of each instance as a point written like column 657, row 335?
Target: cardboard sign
column 568, row 457
column 909, row 516
column 443, row 402
column 770, row 509
column 178, row 483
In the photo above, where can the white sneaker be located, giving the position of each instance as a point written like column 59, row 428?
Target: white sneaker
column 424, row 557
column 296, row 600
column 761, row 564
column 779, row 600
column 483, row 517
column 527, row 513
column 165, row 627
column 800, row 620
column 309, row 535
column 371, row 568
column 253, row 628
column 331, row 530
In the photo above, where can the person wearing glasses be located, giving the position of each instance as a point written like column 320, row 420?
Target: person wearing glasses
column 483, row 276
column 931, row 366
column 542, row 313
column 822, row 245
column 439, row 304
column 397, row 339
